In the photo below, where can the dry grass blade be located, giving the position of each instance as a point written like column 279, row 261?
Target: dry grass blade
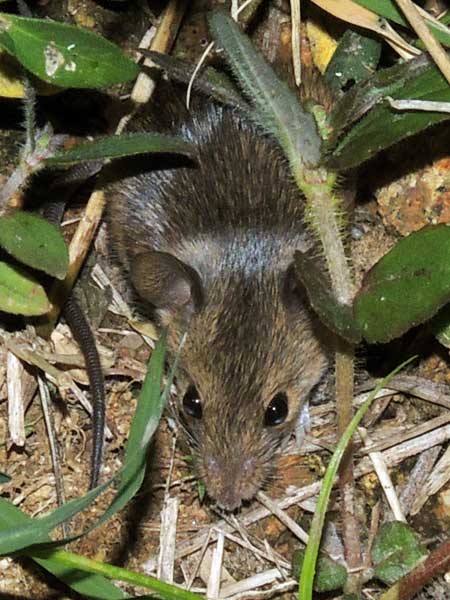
column 16, row 409
column 420, row 387
column 214, row 580
column 430, row 42
column 362, row 17
column 384, row 478
column 437, row 479
column 252, row 583
column 295, row 36
column 418, row 478
column 54, row 447
column 167, row 540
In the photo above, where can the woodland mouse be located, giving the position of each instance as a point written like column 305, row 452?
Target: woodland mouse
column 210, row 245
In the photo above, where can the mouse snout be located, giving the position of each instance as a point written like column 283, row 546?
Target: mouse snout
column 229, row 482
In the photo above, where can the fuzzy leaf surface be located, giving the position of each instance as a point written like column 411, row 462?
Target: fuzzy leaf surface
column 276, row 107
column 407, row 286
column 117, row 146
column 396, row 550
column 64, row 55
column 35, row 242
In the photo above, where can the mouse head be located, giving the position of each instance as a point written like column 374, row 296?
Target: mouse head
column 251, row 358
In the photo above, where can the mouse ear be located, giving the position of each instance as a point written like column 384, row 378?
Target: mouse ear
column 166, row 282
column 293, row 291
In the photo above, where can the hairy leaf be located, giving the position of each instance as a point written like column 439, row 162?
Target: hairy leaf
column 276, row 107
column 117, row 146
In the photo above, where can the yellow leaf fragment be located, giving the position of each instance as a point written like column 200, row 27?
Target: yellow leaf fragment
column 362, row 17
column 322, row 44
column 11, row 83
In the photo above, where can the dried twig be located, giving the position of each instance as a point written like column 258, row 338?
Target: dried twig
column 437, row 562
column 284, row 517
column 162, row 41
column 417, row 479
column 384, row 478
column 264, row 578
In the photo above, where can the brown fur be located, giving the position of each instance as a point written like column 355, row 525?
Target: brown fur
column 226, row 228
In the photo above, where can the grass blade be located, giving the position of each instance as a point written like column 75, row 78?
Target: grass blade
column 315, row 532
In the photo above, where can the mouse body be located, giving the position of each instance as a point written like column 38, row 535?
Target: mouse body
column 209, row 244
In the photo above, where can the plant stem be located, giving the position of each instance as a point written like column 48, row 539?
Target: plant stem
column 324, row 213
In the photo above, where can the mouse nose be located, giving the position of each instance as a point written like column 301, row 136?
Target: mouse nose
column 232, row 481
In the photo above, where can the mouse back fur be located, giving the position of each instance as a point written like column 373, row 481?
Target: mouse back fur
column 209, row 244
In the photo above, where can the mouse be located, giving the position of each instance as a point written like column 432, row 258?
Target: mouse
column 208, row 245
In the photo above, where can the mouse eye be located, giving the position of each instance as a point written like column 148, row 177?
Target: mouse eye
column 192, row 404
column 277, row 410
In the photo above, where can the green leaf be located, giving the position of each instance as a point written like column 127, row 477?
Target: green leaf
column 336, row 316
column 440, row 326
column 276, row 107
column 396, row 551
column 35, row 242
column 90, row 586
column 124, row 145
column 4, row 478
column 64, row 55
column 389, row 10
column 407, row 286
column 163, row 589
column 376, row 125
column 145, row 422
column 354, row 60
column 329, row 574
column 20, row 294
column 36, row 531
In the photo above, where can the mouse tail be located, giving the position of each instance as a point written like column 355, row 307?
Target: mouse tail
column 82, row 332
